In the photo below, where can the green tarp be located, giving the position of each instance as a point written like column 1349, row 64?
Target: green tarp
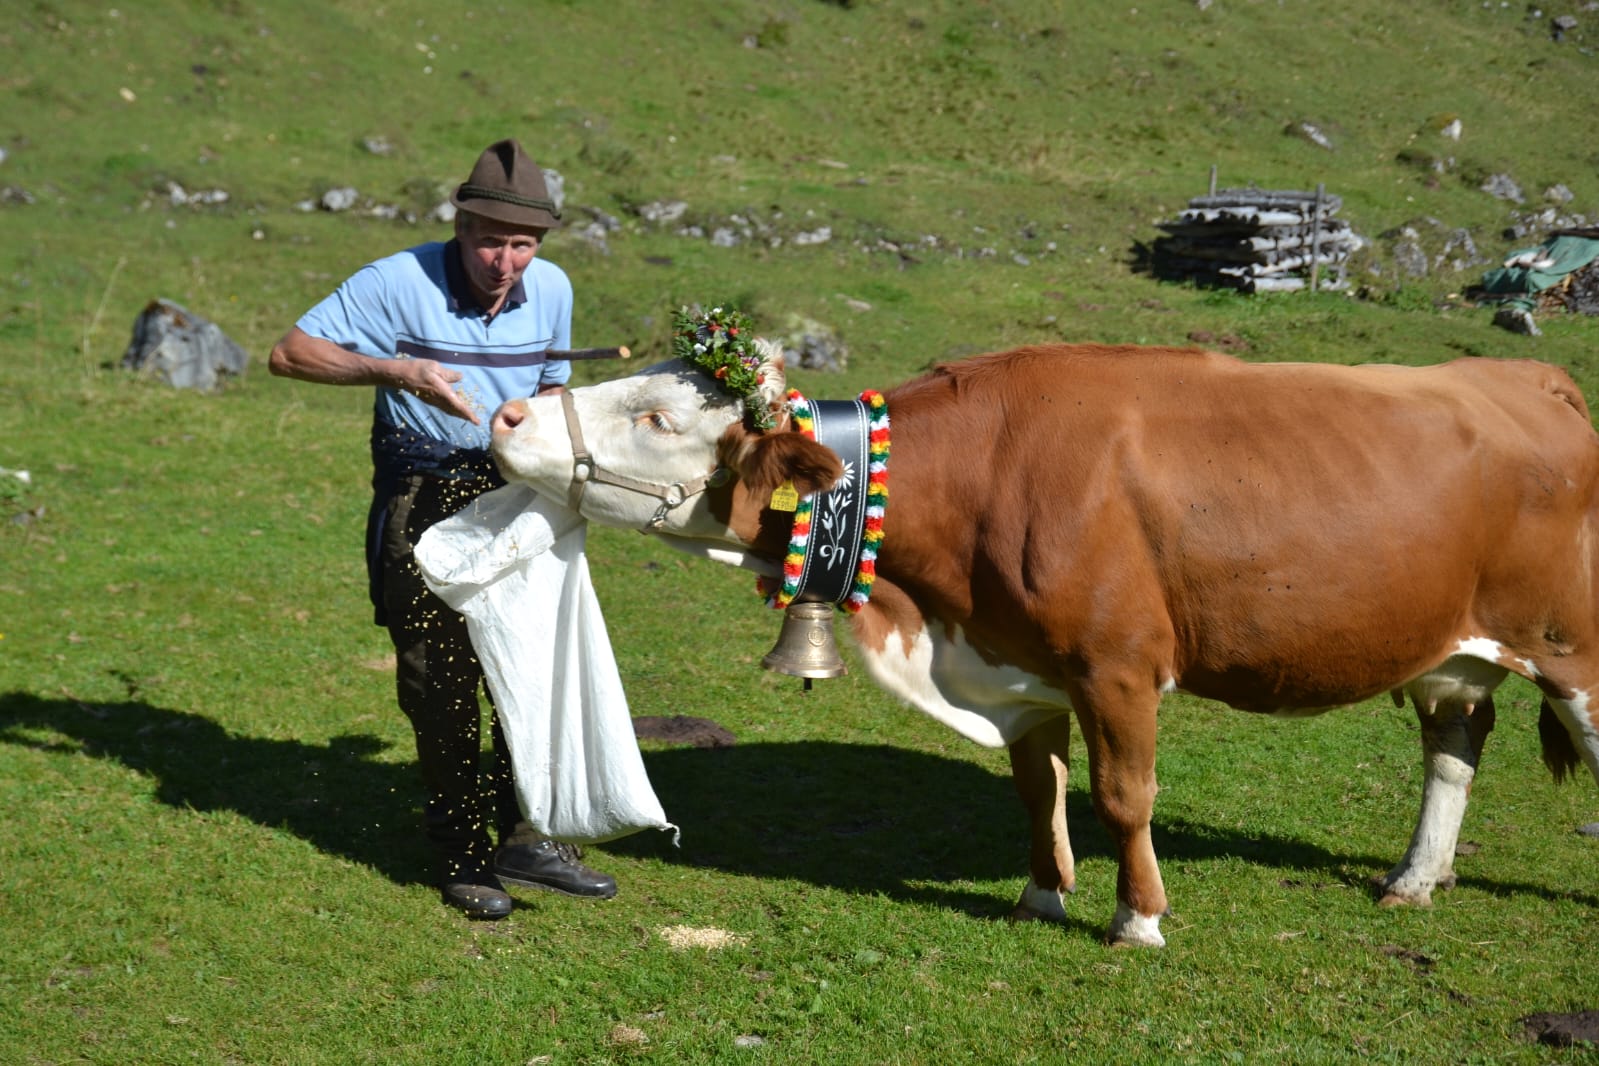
column 1538, row 268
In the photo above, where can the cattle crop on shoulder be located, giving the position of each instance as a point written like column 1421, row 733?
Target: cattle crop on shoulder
column 1079, row 529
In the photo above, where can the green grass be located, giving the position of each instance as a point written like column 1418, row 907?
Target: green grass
column 211, row 851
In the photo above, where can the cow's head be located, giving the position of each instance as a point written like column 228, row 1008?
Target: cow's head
column 669, row 453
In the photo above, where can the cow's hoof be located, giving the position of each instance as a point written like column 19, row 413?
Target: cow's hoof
column 1039, row 905
column 1130, row 929
column 1393, row 892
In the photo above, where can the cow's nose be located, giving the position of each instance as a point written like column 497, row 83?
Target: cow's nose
column 512, row 413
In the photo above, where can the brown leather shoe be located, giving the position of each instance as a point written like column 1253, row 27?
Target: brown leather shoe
column 551, row 865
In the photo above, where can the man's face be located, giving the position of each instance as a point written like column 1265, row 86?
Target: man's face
column 495, row 255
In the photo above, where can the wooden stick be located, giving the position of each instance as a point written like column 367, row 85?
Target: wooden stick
column 588, row 353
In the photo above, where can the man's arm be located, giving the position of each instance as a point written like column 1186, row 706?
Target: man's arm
column 303, row 357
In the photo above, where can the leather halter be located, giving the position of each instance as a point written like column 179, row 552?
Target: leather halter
column 585, row 470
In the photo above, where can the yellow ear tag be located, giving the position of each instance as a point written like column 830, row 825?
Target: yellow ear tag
column 785, row 497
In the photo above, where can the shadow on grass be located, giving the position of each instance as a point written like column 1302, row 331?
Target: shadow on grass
column 908, row 825
column 882, row 820
column 334, row 796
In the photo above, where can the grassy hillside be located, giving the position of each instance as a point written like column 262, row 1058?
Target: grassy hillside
column 942, row 128
column 210, row 851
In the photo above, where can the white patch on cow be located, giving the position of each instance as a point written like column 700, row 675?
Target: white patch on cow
column 1492, row 651
column 1168, row 686
column 992, row 705
column 1457, row 685
column 1481, row 648
column 1046, row 904
column 1138, row 930
column 1431, row 855
column 1578, row 715
column 1467, row 677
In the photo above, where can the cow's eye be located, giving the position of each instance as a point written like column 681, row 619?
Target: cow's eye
column 656, row 421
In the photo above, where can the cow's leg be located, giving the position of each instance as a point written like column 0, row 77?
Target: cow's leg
column 1580, row 715
column 1118, row 720
column 1451, row 742
column 1038, row 763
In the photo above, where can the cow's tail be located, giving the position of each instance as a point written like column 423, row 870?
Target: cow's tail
column 1559, row 751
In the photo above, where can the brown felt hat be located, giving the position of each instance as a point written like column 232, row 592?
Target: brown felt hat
column 508, row 187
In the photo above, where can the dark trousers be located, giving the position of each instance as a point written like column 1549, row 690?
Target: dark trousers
column 438, row 680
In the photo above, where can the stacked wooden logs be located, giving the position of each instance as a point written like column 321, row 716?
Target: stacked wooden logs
column 1258, row 240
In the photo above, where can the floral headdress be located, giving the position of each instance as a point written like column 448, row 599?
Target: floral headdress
column 721, row 343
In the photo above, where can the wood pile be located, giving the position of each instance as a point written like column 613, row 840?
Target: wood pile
column 1577, row 293
column 1258, row 240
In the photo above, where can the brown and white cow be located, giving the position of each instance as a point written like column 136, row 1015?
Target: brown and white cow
column 1076, row 528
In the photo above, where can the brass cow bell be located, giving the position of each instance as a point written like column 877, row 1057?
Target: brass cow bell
column 805, row 646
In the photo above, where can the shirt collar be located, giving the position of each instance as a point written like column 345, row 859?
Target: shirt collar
column 462, row 299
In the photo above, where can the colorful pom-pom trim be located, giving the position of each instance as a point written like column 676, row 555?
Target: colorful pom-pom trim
column 876, row 505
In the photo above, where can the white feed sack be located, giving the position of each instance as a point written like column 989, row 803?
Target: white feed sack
column 512, row 562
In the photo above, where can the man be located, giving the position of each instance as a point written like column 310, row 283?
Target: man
column 446, row 332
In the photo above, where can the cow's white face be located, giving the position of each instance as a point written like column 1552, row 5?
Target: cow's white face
column 659, row 427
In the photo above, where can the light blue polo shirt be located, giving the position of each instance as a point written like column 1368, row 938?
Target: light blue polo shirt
column 417, row 304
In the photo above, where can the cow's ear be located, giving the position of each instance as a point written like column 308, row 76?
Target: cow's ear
column 763, row 461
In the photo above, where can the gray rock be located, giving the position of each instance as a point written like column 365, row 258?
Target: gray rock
column 186, row 350
column 556, row 185
column 663, row 212
column 819, row 235
column 341, row 199
column 1517, row 320
column 178, row 196
column 1311, row 132
column 1504, row 187
column 1409, row 258
column 593, row 234
column 378, row 145
column 1589, row 830
column 811, row 345
column 1459, row 252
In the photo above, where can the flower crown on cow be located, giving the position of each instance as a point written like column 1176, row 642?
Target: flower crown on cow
column 721, row 343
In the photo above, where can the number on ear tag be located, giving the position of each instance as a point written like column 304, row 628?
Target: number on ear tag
column 785, row 497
